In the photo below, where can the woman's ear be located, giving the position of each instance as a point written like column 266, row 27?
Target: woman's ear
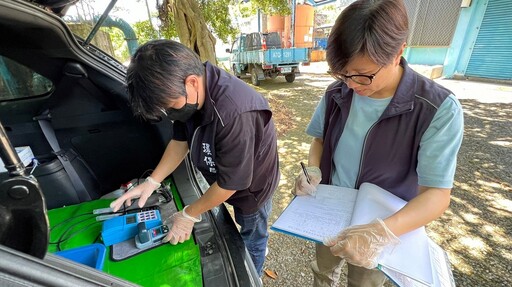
column 399, row 54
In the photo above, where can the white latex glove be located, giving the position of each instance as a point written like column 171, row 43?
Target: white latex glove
column 302, row 187
column 142, row 191
column 181, row 225
column 361, row 245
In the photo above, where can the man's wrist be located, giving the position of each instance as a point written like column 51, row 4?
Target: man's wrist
column 187, row 216
column 153, row 182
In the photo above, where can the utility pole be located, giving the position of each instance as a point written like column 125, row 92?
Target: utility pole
column 292, row 30
column 150, row 21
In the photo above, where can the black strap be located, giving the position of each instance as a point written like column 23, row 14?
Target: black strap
column 49, row 133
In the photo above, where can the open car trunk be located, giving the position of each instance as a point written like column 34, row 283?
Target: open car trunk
column 51, row 83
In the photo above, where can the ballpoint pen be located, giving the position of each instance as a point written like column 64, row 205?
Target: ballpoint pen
column 305, row 172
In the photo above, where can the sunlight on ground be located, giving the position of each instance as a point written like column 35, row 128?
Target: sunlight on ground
column 497, row 233
column 470, row 217
column 291, row 152
column 494, row 93
column 489, row 184
column 474, row 246
column 283, row 181
column 506, row 255
column 497, row 203
column 303, row 147
column 503, row 203
column 473, row 238
column 319, row 83
column 281, row 92
column 469, row 208
column 458, row 261
column 485, row 115
column 502, row 143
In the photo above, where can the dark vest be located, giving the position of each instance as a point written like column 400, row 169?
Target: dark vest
column 390, row 148
column 226, row 98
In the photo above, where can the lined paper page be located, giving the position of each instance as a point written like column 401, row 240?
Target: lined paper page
column 316, row 218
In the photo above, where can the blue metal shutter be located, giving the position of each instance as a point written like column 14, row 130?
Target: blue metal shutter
column 492, row 52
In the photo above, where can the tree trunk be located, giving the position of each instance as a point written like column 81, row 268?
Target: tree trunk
column 192, row 29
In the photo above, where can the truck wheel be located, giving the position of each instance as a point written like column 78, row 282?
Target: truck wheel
column 254, row 78
column 290, row 77
column 234, row 71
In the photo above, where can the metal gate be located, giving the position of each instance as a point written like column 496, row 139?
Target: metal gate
column 492, row 52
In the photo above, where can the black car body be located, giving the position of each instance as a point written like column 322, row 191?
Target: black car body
column 49, row 74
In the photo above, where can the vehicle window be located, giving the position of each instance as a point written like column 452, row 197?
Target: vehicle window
column 18, row 81
column 234, row 48
column 241, row 44
column 128, row 25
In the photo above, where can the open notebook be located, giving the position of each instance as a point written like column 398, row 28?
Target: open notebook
column 416, row 261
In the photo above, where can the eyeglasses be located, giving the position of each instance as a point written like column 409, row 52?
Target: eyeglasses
column 364, row 80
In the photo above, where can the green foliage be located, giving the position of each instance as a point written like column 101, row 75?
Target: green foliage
column 168, row 31
column 144, row 32
column 269, row 7
column 216, row 15
column 119, row 44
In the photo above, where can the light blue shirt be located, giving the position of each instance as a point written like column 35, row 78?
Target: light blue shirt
column 437, row 157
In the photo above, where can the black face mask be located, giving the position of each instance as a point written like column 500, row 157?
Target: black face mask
column 184, row 113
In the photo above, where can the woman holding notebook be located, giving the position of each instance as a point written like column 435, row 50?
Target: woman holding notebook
column 383, row 123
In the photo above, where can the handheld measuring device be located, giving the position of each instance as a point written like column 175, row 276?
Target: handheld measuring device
column 146, row 237
column 124, row 227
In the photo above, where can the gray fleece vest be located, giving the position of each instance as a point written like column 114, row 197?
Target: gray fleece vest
column 390, row 148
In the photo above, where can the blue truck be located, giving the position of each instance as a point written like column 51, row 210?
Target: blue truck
column 261, row 56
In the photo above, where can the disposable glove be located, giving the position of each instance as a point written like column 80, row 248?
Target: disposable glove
column 142, row 191
column 361, row 245
column 302, row 187
column 180, row 227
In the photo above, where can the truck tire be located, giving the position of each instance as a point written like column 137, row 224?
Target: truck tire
column 290, row 77
column 254, row 78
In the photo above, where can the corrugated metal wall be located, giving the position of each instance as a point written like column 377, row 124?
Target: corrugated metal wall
column 432, row 22
column 492, row 52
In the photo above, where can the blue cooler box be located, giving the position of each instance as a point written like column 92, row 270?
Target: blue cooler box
column 92, row 255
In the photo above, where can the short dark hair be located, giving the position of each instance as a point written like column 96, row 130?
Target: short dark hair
column 157, row 74
column 373, row 28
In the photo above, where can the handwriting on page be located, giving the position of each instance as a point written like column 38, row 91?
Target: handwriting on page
column 409, row 264
column 441, row 264
column 321, row 216
column 401, row 279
